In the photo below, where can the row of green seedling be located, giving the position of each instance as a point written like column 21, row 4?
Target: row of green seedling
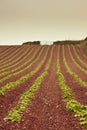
column 72, row 104
column 14, row 60
column 10, row 56
column 3, row 54
column 7, row 52
column 79, row 58
column 15, row 114
column 77, row 65
column 82, row 52
column 69, row 70
column 10, row 85
column 23, row 69
column 21, row 61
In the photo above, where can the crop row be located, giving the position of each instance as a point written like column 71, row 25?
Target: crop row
column 9, row 55
column 14, row 58
column 23, row 69
column 72, row 104
column 17, row 63
column 3, row 49
column 10, row 85
column 6, row 52
column 74, row 74
column 79, row 57
column 82, row 52
column 77, row 65
column 15, row 113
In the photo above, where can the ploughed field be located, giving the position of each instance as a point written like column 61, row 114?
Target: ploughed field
column 43, row 87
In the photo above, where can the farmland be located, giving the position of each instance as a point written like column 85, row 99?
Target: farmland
column 43, row 87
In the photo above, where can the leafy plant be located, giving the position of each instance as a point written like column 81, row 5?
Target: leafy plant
column 15, row 114
column 72, row 104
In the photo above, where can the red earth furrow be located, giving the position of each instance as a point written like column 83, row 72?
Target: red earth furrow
column 79, row 91
column 5, row 51
column 81, row 51
column 20, row 62
column 27, row 58
column 14, row 78
column 81, row 54
column 47, row 110
column 7, row 54
column 12, row 56
column 10, row 99
column 76, row 59
column 16, row 59
column 72, row 65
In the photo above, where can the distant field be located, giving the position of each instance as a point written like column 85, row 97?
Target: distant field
column 43, row 87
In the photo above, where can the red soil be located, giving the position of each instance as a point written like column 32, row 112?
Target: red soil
column 77, row 60
column 7, row 54
column 47, row 110
column 82, row 54
column 19, row 62
column 13, row 56
column 73, row 67
column 15, row 93
column 14, row 78
column 79, row 91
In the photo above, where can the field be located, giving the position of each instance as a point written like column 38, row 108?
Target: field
column 43, row 87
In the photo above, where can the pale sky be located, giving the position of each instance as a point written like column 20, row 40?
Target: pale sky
column 44, row 20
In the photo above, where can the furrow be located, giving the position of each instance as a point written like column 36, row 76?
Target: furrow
column 18, row 65
column 10, row 85
column 73, row 73
column 78, row 58
column 11, row 59
column 72, row 104
column 24, row 68
column 9, row 55
column 77, row 65
column 15, row 114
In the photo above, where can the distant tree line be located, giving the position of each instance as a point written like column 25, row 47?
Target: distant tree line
column 31, row 43
column 67, row 42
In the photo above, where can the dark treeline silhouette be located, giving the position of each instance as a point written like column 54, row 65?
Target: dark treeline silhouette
column 73, row 42
column 32, row 43
column 67, row 42
column 86, row 39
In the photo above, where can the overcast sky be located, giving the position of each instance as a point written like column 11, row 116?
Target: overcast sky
column 46, row 20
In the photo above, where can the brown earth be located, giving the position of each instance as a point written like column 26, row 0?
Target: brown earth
column 12, row 57
column 77, row 60
column 74, row 68
column 14, row 78
column 47, row 110
column 20, row 62
column 79, row 91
